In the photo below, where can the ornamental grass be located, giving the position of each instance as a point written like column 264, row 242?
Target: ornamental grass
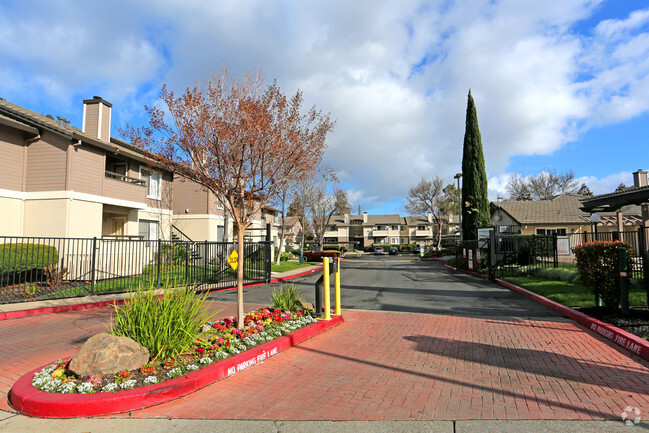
column 166, row 325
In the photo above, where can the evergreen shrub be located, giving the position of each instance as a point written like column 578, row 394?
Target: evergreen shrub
column 599, row 269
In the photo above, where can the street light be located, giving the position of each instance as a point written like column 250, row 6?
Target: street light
column 459, row 201
column 594, row 219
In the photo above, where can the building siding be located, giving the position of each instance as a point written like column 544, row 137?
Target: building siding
column 46, row 163
column 92, row 120
column 189, row 195
column 87, row 170
column 11, row 163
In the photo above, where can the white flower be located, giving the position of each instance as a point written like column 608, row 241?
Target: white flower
column 129, row 384
column 85, row 388
column 67, row 388
column 205, row 360
column 110, row 387
column 191, row 367
column 150, row 380
column 176, row 372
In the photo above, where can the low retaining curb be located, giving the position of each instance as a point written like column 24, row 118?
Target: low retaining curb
column 33, row 402
column 622, row 338
column 5, row 315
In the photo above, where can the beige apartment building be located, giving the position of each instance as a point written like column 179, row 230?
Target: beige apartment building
column 359, row 231
column 60, row 181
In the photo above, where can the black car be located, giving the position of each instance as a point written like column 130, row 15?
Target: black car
column 394, row 251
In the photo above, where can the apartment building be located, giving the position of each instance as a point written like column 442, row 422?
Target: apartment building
column 359, row 231
column 60, row 181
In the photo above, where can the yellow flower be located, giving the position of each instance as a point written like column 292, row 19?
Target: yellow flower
column 58, row 373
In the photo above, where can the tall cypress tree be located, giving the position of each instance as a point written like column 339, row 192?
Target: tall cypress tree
column 475, row 201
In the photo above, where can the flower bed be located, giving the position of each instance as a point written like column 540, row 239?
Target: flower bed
column 216, row 341
column 35, row 402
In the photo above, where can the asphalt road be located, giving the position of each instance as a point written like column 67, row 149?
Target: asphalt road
column 407, row 284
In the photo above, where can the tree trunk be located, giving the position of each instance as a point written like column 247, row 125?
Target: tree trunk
column 281, row 233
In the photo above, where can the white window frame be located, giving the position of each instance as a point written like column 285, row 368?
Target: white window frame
column 153, row 182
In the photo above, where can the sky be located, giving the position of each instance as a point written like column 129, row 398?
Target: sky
column 558, row 85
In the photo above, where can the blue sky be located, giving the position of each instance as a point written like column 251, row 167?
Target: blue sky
column 558, row 85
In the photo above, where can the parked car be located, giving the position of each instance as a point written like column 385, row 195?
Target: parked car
column 318, row 254
column 417, row 249
column 378, row 251
column 394, row 251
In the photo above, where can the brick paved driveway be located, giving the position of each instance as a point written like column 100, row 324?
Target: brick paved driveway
column 392, row 366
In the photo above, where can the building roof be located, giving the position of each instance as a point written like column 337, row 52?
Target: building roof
column 34, row 123
column 563, row 209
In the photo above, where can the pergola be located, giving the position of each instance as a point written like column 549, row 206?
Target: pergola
column 614, row 201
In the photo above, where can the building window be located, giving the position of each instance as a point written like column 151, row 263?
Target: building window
column 331, row 228
column 559, row 232
column 153, row 183
column 422, row 228
column 395, row 227
column 404, row 240
column 395, row 241
column 148, row 230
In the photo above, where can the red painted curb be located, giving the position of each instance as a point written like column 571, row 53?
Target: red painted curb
column 48, row 310
column 619, row 336
column 33, row 402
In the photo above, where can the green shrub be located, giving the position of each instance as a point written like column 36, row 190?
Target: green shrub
column 285, row 256
column 166, row 325
column 24, row 257
column 599, row 269
column 286, row 298
column 174, row 253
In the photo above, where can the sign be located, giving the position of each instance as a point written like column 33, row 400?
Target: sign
column 477, row 255
column 483, row 237
column 563, row 246
column 470, row 259
column 464, row 253
column 233, row 260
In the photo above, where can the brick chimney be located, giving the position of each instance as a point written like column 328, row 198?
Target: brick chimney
column 96, row 118
column 640, row 178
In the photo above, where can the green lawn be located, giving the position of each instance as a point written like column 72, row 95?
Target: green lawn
column 287, row 266
column 569, row 294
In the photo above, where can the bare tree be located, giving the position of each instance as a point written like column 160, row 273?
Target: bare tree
column 428, row 196
column 544, row 186
column 325, row 200
column 517, row 188
column 238, row 138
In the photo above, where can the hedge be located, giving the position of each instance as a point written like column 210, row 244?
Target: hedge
column 599, row 269
column 25, row 257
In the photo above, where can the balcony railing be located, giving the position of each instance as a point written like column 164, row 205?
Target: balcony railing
column 124, row 178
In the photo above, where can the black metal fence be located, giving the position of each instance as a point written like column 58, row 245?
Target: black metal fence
column 35, row 268
column 527, row 254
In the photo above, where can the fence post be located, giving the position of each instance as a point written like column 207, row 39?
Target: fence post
column 554, row 248
column 93, row 263
column 267, row 256
column 187, row 252
column 624, row 280
column 492, row 255
column 159, row 262
column 643, row 253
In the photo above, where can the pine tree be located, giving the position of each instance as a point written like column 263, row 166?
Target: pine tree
column 475, row 201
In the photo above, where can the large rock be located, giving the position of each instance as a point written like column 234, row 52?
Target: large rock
column 108, row 354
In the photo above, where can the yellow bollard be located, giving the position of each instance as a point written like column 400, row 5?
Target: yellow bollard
column 327, row 300
column 337, row 289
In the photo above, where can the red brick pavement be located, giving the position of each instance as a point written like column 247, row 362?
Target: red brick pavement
column 390, row 366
